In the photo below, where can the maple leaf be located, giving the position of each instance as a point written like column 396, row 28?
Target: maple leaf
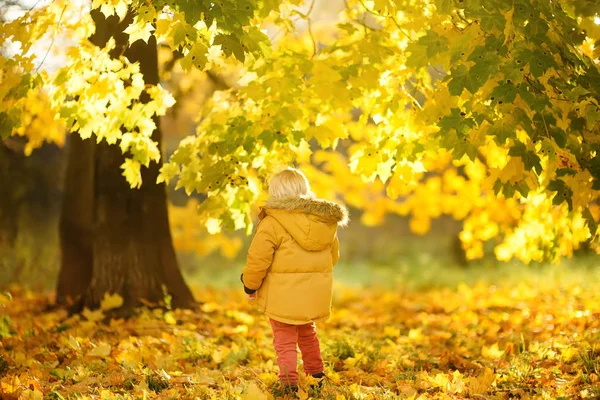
column 425, row 49
column 140, row 30
column 101, row 350
column 132, row 172
column 492, row 351
column 231, row 45
column 481, row 384
column 111, row 301
column 93, row 316
column 196, row 57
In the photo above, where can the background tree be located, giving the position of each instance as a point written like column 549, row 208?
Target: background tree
column 484, row 111
column 28, row 193
column 114, row 239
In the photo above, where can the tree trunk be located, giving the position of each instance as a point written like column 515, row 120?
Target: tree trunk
column 76, row 225
column 131, row 251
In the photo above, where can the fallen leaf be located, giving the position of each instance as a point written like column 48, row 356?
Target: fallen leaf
column 111, row 301
column 481, row 384
column 100, row 350
column 253, row 393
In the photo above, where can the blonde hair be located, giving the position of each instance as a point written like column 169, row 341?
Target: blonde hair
column 289, row 183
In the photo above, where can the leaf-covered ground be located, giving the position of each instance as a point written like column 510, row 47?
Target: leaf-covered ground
column 523, row 341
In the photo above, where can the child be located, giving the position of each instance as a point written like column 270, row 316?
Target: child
column 290, row 269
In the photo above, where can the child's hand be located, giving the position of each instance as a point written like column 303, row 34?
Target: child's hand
column 252, row 296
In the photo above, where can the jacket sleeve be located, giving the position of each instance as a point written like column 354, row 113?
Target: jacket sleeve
column 335, row 250
column 260, row 255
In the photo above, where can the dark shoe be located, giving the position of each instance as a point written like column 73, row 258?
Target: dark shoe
column 319, row 376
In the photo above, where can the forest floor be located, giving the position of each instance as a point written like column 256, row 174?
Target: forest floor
column 481, row 341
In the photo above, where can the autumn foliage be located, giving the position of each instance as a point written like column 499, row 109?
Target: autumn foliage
column 481, row 341
column 485, row 105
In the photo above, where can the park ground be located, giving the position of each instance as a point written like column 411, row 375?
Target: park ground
column 440, row 333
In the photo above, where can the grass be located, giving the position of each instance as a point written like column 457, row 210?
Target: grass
column 426, row 272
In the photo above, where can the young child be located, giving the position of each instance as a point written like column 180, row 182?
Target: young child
column 290, row 269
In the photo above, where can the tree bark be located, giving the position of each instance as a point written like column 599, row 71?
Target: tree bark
column 131, row 249
column 76, row 225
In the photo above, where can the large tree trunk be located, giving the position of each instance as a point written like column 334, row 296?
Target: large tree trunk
column 130, row 251
column 76, row 226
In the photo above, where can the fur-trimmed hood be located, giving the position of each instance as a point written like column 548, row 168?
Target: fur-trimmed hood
column 312, row 222
column 328, row 210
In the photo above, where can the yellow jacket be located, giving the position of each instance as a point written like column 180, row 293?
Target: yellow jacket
column 291, row 258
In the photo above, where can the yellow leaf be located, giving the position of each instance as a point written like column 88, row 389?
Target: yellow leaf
column 93, row 316
column 131, row 172
column 29, row 394
column 73, row 343
column 10, row 384
column 303, row 152
column 241, row 317
column 384, row 169
column 420, row 224
column 213, row 225
column 440, row 380
column 107, row 9
column 382, row 5
column 101, row 350
column 139, row 30
column 302, row 395
column 405, row 177
column 568, row 353
column 111, row 301
column 106, row 395
column 210, row 307
column 365, row 162
column 509, row 28
column 121, row 9
column 456, row 385
column 253, row 393
column 21, row 359
column 413, row 334
column 391, row 331
column 492, row 352
column 196, row 57
column 268, row 378
column 218, row 355
column 170, row 318
column 406, row 390
column 481, row 384
column 512, row 170
column 163, row 27
column 322, row 134
column 350, row 362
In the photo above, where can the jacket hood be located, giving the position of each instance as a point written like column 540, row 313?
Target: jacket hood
column 310, row 221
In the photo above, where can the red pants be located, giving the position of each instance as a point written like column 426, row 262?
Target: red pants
column 285, row 339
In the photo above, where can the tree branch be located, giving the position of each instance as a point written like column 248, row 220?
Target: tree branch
column 386, row 16
column 62, row 13
column 218, row 81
